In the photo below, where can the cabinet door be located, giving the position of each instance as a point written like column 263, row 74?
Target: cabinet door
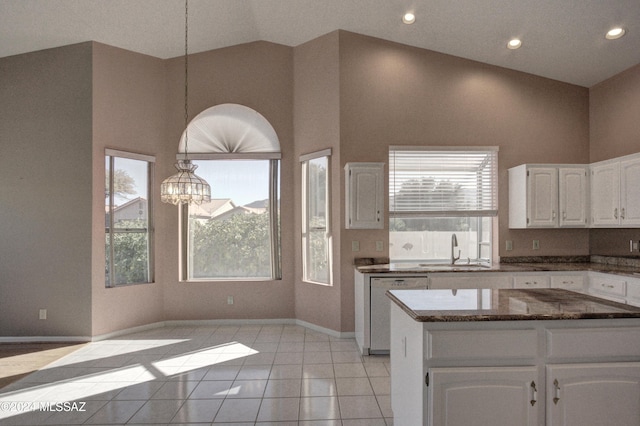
column 573, row 196
column 605, row 194
column 481, row 396
column 364, row 193
column 542, row 186
column 593, row 394
column 629, row 194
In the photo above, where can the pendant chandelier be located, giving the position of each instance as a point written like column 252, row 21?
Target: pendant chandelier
column 185, row 187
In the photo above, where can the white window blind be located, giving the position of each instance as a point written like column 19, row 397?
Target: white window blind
column 434, row 181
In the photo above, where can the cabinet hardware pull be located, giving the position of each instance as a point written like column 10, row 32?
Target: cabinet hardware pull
column 534, row 394
column 615, row 213
column 556, row 386
column 622, row 213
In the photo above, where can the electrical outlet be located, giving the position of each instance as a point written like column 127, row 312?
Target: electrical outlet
column 229, row 300
column 42, row 314
column 509, row 245
column 536, row 244
column 355, row 245
column 379, row 246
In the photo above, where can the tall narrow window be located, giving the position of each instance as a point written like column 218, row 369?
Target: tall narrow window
column 316, row 238
column 236, row 235
column 437, row 192
column 128, row 225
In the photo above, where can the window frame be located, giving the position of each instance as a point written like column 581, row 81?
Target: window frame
column 491, row 211
column 274, row 217
column 306, row 226
column 111, row 155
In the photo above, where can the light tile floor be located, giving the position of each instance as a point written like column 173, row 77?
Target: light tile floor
column 236, row 375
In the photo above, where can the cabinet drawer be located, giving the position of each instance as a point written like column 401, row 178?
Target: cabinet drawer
column 474, row 344
column 610, row 288
column 531, row 281
column 568, row 282
column 593, row 342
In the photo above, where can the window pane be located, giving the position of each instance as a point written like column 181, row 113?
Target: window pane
column 429, row 238
column 230, row 237
column 315, row 238
column 127, row 242
column 318, row 258
column 317, row 193
column 130, row 258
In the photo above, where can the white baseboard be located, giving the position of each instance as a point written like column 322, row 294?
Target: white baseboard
column 178, row 323
column 44, row 339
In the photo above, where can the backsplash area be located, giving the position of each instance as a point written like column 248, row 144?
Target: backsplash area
column 607, row 260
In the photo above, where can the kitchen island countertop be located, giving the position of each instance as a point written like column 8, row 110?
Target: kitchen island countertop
column 506, row 305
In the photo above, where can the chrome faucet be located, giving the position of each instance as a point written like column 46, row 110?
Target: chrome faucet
column 454, row 244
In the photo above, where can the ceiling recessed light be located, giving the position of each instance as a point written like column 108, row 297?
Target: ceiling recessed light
column 514, row 44
column 409, row 18
column 615, row 33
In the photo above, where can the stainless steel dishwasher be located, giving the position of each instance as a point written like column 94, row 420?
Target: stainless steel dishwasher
column 381, row 307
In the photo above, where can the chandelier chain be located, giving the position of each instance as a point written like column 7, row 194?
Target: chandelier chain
column 186, row 73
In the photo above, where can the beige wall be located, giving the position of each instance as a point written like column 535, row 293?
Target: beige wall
column 129, row 115
column 260, row 76
column 614, row 107
column 392, row 94
column 317, row 127
column 60, row 108
column 45, row 192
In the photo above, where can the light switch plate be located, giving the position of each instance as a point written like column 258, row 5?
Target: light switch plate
column 509, row 245
column 379, row 246
column 536, row 244
column 355, row 245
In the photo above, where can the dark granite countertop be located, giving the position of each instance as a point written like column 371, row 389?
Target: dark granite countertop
column 416, row 268
column 506, row 305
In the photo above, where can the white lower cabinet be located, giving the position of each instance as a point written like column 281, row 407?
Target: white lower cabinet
column 515, row 373
column 496, row 396
column 593, row 394
column 576, row 394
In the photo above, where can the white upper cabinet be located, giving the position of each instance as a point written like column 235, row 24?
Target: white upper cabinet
column 573, row 193
column 364, row 193
column 615, row 199
column 548, row 196
column 630, row 192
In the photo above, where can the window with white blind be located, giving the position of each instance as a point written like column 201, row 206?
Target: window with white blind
column 435, row 192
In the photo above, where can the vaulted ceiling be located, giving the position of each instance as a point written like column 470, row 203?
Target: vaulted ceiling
column 561, row 39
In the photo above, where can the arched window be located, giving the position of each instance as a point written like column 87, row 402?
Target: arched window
column 236, row 235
